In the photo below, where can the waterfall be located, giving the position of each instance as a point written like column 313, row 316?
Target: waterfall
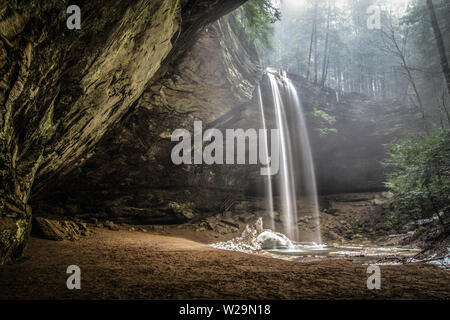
column 306, row 163
column 268, row 182
column 287, row 191
column 296, row 163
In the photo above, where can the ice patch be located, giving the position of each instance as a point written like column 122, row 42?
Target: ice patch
column 273, row 240
column 255, row 238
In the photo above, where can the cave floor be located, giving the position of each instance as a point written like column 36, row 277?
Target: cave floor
column 137, row 265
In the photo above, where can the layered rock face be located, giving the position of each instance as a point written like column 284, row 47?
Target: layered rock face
column 61, row 90
column 131, row 176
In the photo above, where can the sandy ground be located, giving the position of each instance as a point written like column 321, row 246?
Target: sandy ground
column 138, row 265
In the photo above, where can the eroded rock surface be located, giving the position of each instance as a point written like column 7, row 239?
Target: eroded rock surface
column 131, row 177
column 61, row 90
column 59, row 230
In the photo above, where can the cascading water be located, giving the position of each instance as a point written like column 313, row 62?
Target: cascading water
column 288, row 197
column 295, row 154
column 307, row 164
column 268, row 182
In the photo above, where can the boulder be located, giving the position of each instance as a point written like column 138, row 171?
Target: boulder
column 111, row 226
column 59, row 230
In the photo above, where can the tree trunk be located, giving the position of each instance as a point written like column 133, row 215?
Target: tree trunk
column 439, row 43
column 325, row 51
column 315, row 56
column 313, row 31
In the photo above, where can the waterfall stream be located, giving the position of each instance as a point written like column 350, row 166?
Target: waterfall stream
column 296, row 175
column 268, row 181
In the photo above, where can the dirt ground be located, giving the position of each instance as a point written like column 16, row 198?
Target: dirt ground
column 141, row 265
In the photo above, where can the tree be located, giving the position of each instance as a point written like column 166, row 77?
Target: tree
column 420, row 177
column 325, row 51
column 256, row 18
column 313, row 39
column 395, row 44
column 439, row 43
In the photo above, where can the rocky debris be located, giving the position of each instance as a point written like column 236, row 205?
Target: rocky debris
column 231, row 223
column 94, row 221
column 307, row 219
column 350, row 197
column 245, row 218
column 331, row 211
column 354, row 217
column 111, row 226
column 59, row 230
column 182, row 210
column 222, row 225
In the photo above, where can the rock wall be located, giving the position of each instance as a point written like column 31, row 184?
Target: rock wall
column 131, row 177
column 61, row 90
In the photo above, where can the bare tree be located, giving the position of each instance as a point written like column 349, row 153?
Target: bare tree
column 397, row 47
column 313, row 35
column 325, row 51
column 439, row 43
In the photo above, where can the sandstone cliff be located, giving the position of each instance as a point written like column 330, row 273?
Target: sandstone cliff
column 61, row 90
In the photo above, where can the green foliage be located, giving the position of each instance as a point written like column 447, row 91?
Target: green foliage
column 256, row 18
column 326, row 122
column 419, row 176
column 324, row 116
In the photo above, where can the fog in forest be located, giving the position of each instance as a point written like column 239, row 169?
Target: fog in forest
column 383, row 49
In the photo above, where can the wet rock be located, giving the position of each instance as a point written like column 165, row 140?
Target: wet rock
column 331, row 211
column 59, row 230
